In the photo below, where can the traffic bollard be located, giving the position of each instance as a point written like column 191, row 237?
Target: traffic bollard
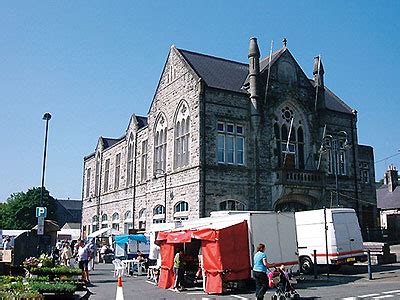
column 369, row 265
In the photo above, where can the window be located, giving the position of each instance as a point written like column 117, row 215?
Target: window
column 128, row 221
column 97, row 180
column 88, row 171
column 142, row 219
column 106, row 175
column 182, row 136
column 115, row 221
column 143, row 170
column 336, row 156
column 181, row 211
column 104, row 221
column 364, row 172
column 159, row 214
column 230, row 143
column 131, row 153
column 117, row 170
column 181, row 206
column 95, row 220
column 160, row 144
column 231, row 205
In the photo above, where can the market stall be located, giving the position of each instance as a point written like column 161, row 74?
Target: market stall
column 224, row 248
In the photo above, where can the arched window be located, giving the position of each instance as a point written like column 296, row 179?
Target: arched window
column 182, row 136
column 95, row 220
column 104, row 221
column 115, row 217
column 160, row 144
column 142, row 219
column 231, row 205
column 98, row 171
column 159, row 214
column 290, row 151
column 181, row 211
column 128, row 221
column 130, row 156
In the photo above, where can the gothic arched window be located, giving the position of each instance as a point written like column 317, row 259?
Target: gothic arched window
column 182, row 136
column 131, row 153
column 160, row 144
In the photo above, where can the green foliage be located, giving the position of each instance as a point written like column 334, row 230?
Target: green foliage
column 19, row 210
column 55, row 271
column 65, row 288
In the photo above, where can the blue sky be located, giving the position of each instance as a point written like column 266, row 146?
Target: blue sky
column 91, row 64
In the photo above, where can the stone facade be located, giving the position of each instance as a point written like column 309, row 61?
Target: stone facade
column 217, row 138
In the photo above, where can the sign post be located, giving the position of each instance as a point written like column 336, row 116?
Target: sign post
column 41, row 214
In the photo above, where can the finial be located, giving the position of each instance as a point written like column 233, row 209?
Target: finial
column 284, row 42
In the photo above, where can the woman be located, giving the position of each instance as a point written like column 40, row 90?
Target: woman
column 83, row 259
column 66, row 254
column 260, row 271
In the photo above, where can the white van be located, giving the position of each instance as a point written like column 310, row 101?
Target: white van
column 344, row 241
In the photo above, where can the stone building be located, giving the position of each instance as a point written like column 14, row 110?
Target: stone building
column 220, row 135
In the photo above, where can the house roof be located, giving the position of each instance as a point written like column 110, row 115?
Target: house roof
column 386, row 199
column 217, row 72
column 108, row 142
column 70, row 204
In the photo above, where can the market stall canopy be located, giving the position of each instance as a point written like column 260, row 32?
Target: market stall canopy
column 123, row 239
column 68, row 234
column 104, row 231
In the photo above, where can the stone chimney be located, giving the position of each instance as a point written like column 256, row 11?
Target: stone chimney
column 391, row 178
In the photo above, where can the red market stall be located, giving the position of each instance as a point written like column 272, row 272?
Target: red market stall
column 225, row 253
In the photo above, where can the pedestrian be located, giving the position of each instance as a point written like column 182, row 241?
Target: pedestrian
column 179, row 270
column 66, row 254
column 7, row 244
column 83, row 260
column 260, row 271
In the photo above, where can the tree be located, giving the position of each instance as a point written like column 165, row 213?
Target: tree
column 19, row 211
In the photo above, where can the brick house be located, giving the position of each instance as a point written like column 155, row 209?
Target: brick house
column 221, row 134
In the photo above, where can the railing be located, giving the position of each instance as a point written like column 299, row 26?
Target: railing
column 303, row 177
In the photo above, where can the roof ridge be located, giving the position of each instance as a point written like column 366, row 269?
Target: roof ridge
column 212, row 56
column 273, row 53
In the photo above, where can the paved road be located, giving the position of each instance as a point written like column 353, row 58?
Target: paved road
column 350, row 283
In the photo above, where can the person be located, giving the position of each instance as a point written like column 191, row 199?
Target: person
column 179, row 270
column 260, row 271
column 66, row 254
column 103, row 251
column 83, row 260
column 139, row 256
column 92, row 251
column 7, row 244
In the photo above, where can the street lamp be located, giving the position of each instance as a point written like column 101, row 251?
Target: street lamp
column 40, row 230
column 334, row 142
column 46, row 117
column 163, row 173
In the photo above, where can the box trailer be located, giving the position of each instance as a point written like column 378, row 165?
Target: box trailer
column 341, row 242
column 276, row 230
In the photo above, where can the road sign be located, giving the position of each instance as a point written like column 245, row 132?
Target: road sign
column 40, row 230
column 41, row 212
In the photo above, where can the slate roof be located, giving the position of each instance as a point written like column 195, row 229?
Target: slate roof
column 142, row 121
column 333, row 102
column 70, row 204
column 386, row 199
column 217, row 72
column 108, row 142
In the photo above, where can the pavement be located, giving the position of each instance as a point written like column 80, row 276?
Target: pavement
column 104, row 284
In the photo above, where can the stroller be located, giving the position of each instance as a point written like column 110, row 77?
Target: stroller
column 279, row 279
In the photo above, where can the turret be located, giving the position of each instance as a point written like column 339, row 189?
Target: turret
column 318, row 72
column 254, row 71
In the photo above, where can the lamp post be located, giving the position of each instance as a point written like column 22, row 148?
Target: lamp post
column 46, row 117
column 163, row 173
column 41, row 213
column 335, row 145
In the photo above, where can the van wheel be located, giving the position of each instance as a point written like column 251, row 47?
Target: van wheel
column 306, row 265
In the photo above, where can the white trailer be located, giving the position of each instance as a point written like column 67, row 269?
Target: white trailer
column 276, row 230
column 342, row 243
